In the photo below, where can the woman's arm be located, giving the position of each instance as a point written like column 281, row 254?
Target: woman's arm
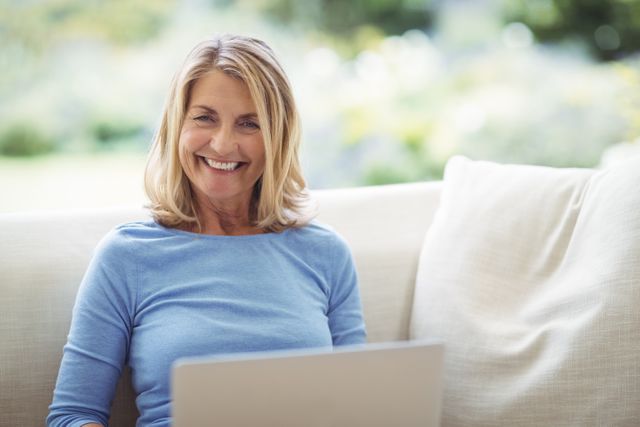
column 98, row 339
column 346, row 321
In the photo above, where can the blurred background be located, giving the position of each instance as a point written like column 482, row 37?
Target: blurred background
column 388, row 89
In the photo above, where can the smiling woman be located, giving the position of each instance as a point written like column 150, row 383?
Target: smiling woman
column 232, row 102
column 230, row 261
column 222, row 151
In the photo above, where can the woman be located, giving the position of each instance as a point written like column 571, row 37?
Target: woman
column 229, row 262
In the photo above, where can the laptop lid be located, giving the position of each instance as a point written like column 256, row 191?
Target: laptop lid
column 370, row 385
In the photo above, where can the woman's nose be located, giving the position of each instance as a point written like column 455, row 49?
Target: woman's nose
column 223, row 141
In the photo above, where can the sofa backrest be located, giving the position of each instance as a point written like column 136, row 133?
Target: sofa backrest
column 43, row 257
column 385, row 228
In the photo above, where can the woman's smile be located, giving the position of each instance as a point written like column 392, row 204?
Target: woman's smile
column 222, row 166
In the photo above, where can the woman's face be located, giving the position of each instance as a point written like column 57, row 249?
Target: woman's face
column 221, row 146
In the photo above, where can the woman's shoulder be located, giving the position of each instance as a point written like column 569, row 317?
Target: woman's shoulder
column 323, row 247
column 318, row 229
column 316, row 232
column 127, row 236
column 135, row 230
column 139, row 229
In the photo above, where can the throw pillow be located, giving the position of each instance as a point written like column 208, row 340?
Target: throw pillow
column 530, row 276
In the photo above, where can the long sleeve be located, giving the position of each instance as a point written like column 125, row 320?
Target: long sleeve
column 345, row 310
column 98, row 338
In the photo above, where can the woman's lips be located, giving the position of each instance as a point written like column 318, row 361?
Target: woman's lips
column 222, row 166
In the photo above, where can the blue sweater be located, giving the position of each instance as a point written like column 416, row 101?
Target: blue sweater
column 153, row 294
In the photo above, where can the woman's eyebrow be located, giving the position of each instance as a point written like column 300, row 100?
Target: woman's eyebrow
column 204, row 107
column 213, row 111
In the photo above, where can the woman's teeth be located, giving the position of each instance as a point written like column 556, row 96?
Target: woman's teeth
column 224, row 166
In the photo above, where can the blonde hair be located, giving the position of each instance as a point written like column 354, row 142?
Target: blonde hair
column 279, row 195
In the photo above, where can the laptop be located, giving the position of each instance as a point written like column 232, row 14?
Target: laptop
column 391, row 384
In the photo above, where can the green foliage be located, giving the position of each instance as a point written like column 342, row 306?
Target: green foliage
column 382, row 174
column 416, row 105
column 611, row 28
column 109, row 130
column 389, row 105
column 38, row 25
column 414, row 169
column 21, row 139
column 344, row 18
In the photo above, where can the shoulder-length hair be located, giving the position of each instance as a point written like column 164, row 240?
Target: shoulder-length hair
column 279, row 195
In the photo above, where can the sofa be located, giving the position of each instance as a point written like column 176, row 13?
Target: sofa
column 44, row 255
column 539, row 320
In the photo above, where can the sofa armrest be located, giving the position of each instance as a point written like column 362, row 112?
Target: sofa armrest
column 43, row 256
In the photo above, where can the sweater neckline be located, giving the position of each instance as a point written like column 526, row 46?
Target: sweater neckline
column 194, row 235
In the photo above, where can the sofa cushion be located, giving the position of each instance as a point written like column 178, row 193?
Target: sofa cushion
column 531, row 277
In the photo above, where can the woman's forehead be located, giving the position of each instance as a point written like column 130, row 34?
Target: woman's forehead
column 218, row 89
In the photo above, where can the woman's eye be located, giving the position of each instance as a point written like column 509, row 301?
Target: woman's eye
column 249, row 125
column 202, row 119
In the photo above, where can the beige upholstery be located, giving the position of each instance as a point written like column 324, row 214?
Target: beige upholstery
column 531, row 277
column 43, row 257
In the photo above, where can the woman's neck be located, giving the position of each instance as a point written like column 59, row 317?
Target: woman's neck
column 217, row 220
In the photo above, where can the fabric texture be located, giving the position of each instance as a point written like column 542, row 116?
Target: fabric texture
column 152, row 295
column 385, row 227
column 531, row 278
column 43, row 255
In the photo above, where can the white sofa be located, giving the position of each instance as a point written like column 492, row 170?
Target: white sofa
column 43, row 257
column 529, row 275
